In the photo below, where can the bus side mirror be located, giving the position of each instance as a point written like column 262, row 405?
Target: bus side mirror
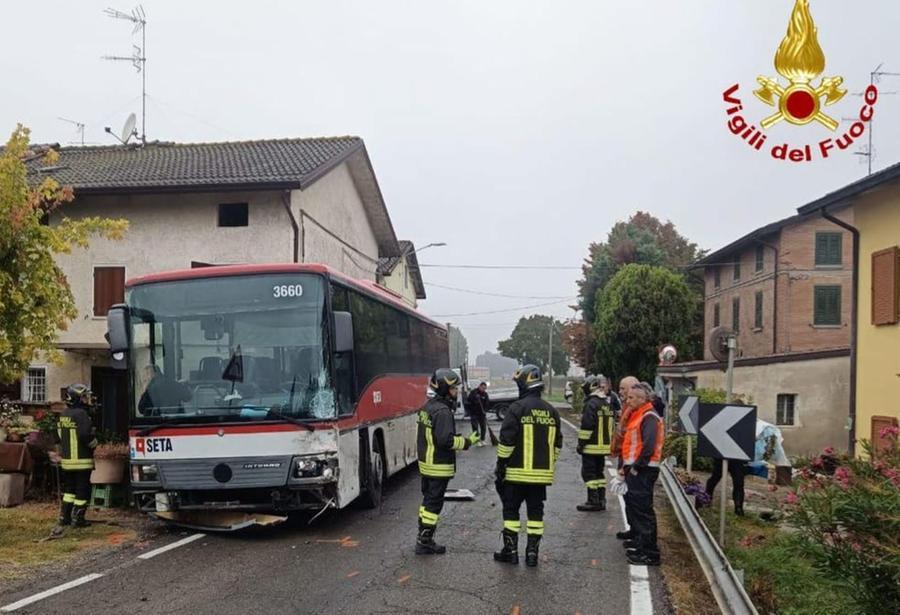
column 343, row 332
column 117, row 334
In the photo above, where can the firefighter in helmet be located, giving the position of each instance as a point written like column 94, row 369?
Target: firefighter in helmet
column 530, row 444
column 437, row 446
column 76, row 441
column 594, row 439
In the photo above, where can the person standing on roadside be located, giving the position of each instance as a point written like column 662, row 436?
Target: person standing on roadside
column 478, row 403
column 594, row 439
column 642, row 446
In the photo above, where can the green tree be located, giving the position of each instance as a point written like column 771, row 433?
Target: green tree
column 642, row 239
column 35, row 299
column 639, row 309
column 530, row 343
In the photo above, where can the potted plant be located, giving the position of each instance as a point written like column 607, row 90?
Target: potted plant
column 44, row 430
column 10, row 417
column 110, row 457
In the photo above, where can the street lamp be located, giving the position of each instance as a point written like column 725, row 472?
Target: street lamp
column 439, row 244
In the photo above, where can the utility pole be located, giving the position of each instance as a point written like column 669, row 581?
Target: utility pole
column 729, row 391
column 550, row 361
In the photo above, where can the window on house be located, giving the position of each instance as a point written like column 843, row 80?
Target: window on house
column 717, row 277
column 233, row 214
column 737, row 270
column 736, row 314
column 717, row 316
column 827, row 305
column 758, row 311
column 109, row 288
column 828, row 249
column 885, row 295
column 34, row 387
column 785, row 414
column 760, row 258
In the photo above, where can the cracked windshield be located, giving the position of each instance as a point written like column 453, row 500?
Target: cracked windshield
column 230, row 348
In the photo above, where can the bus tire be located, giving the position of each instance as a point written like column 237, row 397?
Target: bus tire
column 374, row 482
column 500, row 411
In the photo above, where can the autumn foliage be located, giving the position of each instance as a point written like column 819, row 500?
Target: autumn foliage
column 35, row 299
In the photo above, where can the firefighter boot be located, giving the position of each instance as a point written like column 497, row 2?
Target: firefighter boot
column 425, row 544
column 531, row 550
column 78, row 519
column 593, row 502
column 510, row 551
column 601, row 497
column 65, row 514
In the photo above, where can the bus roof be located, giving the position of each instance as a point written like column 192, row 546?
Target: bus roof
column 365, row 286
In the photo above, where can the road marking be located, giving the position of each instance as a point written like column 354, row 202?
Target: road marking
column 641, row 602
column 50, row 592
column 174, row 545
column 572, row 425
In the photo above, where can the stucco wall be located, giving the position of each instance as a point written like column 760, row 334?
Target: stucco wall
column 400, row 281
column 332, row 206
column 878, row 366
column 822, row 387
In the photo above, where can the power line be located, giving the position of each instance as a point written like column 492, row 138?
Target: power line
column 486, row 294
column 515, row 309
column 525, row 267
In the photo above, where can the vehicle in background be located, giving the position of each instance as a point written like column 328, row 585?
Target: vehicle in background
column 269, row 387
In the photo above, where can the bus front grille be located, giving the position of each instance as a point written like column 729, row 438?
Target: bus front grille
column 224, row 473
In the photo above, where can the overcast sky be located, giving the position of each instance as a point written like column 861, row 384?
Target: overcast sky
column 517, row 132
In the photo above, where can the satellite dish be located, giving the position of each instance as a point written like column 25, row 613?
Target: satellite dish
column 128, row 128
column 667, row 354
column 718, row 342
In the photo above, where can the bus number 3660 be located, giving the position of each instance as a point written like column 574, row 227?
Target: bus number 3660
column 287, row 290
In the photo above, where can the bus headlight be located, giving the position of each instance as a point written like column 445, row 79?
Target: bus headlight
column 306, row 467
column 315, row 466
column 144, row 473
column 327, row 473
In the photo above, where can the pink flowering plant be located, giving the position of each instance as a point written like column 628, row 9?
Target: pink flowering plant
column 847, row 513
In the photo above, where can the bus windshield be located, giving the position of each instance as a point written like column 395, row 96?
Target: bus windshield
column 230, row 348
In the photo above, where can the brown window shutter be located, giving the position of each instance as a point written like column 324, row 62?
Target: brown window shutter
column 109, row 288
column 884, row 287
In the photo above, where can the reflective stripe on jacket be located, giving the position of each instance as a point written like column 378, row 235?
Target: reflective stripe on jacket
column 633, row 444
column 530, row 441
column 75, row 440
column 597, row 426
column 437, row 441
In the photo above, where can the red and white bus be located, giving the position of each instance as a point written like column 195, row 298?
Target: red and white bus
column 269, row 387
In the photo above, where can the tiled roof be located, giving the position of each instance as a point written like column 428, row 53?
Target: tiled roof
column 387, row 264
column 272, row 163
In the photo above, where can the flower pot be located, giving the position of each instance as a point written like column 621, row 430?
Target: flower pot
column 108, row 471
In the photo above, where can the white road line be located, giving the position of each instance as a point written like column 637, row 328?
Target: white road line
column 641, row 601
column 569, row 423
column 9, row 608
column 174, row 545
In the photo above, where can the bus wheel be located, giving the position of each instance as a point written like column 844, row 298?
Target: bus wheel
column 374, row 477
column 500, row 411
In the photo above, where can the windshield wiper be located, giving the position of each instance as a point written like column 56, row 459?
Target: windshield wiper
column 290, row 419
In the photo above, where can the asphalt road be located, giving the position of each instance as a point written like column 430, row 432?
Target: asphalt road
column 357, row 561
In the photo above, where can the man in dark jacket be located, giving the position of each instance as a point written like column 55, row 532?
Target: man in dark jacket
column 76, row 459
column 437, row 443
column 530, row 444
column 478, row 403
column 594, row 439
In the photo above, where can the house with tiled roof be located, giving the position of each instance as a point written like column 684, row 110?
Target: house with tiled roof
column 202, row 204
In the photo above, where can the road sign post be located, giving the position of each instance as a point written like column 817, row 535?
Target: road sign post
column 729, row 391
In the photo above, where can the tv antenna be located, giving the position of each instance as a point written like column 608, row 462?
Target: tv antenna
column 79, row 127
column 128, row 130
column 138, row 57
column 868, row 152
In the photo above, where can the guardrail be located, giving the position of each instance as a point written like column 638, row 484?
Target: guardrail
column 726, row 587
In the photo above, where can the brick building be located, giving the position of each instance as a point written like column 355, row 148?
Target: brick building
column 785, row 288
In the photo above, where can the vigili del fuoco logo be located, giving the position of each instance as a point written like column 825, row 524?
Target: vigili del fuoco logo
column 801, row 61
